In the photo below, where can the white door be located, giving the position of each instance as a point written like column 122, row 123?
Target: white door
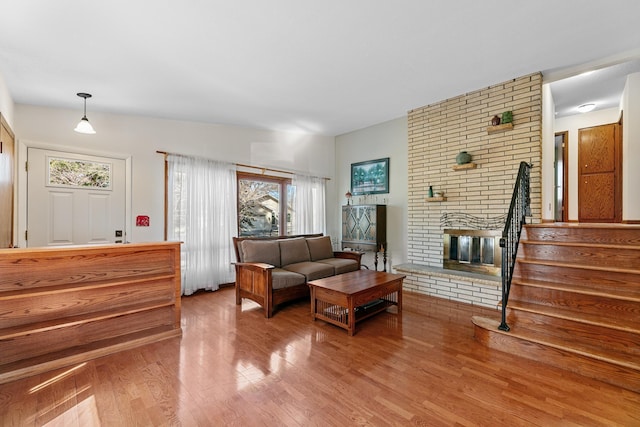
column 74, row 199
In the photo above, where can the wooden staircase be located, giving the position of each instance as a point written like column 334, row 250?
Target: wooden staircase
column 575, row 301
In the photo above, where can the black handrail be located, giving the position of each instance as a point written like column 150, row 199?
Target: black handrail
column 519, row 209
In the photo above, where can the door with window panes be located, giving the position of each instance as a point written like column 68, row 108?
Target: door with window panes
column 74, row 199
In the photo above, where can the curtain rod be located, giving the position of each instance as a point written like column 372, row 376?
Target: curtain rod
column 242, row 165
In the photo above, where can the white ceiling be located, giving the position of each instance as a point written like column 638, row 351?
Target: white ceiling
column 325, row 67
column 600, row 86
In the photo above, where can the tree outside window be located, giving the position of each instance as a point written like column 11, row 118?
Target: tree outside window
column 261, row 205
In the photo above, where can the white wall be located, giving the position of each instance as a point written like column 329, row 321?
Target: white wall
column 572, row 124
column 387, row 139
column 138, row 138
column 548, row 154
column 6, row 103
column 631, row 149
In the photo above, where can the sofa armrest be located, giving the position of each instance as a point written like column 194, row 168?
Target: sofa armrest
column 254, row 281
column 356, row 256
column 254, row 265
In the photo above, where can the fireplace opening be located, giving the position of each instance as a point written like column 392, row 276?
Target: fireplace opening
column 476, row 251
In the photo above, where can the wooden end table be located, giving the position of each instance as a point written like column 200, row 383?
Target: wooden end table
column 363, row 292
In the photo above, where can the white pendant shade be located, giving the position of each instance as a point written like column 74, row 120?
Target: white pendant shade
column 84, row 126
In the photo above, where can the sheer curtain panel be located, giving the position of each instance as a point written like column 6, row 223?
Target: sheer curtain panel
column 202, row 215
column 309, row 205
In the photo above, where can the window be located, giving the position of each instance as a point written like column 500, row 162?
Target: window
column 79, row 173
column 264, row 205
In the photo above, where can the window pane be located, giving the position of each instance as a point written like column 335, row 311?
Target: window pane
column 79, row 173
column 258, row 208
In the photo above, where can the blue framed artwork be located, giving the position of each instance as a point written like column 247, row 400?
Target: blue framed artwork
column 371, row 177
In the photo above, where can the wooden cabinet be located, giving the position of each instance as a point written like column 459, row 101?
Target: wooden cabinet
column 66, row 305
column 364, row 227
column 7, row 161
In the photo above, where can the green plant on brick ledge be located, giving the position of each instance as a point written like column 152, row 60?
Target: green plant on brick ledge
column 507, row 117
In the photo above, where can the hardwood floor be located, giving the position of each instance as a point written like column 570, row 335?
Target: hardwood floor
column 234, row 367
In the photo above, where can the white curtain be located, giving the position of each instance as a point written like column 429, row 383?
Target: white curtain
column 202, row 215
column 309, row 205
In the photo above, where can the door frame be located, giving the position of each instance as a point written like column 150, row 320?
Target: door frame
column 22, row 148
column 12, row 215
column 565, row 175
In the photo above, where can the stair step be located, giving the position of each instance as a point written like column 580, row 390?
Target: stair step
column 632, row 295
column 569, row 302
column 590, row 267
column 577, row 275
column 618, row 234
column 590, row 254
column 614, row 322
column 625, row 375
column 621, row 344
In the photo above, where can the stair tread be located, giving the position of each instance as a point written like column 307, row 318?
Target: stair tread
column 633, row 247
column 587, row 337
column 605, row 355
column 583, row 289
column 577, row 316
column 584, row 225
column 578, row 266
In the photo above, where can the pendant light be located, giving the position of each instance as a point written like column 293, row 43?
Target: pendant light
column 84, row 126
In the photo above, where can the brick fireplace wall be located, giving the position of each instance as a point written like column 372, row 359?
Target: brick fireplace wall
column 437, row 133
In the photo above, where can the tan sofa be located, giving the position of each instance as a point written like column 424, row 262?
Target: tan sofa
column 271, row 271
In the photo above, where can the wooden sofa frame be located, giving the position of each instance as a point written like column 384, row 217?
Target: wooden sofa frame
column 254, row 281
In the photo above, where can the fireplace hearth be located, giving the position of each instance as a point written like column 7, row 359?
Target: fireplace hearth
column 476, row 251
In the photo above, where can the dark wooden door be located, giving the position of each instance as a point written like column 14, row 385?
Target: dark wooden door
column 599, row 174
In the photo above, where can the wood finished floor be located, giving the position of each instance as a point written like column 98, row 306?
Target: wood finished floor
column 234, row 367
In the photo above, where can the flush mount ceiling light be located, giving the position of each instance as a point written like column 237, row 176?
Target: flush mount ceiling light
column 84, row 126
column 585, row 108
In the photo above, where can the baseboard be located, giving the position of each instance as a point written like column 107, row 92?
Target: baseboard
column 631, row 221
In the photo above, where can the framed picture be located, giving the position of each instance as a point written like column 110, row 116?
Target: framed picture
column 370, row 177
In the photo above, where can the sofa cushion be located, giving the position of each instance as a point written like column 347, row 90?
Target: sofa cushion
column 281, row 279
column 311, row 270
column 341, row 265
column 320, row 248
column 267, row 251
column 293, row 251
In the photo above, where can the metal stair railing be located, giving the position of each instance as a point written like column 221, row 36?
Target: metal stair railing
column 519, row 209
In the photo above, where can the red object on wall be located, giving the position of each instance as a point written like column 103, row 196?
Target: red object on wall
column 142, row 221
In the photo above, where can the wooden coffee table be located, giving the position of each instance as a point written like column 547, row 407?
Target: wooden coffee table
column 363, row 292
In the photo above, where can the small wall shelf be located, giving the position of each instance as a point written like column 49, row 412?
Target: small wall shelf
column 436, row 199
column 464, row 166
column 500, row 128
